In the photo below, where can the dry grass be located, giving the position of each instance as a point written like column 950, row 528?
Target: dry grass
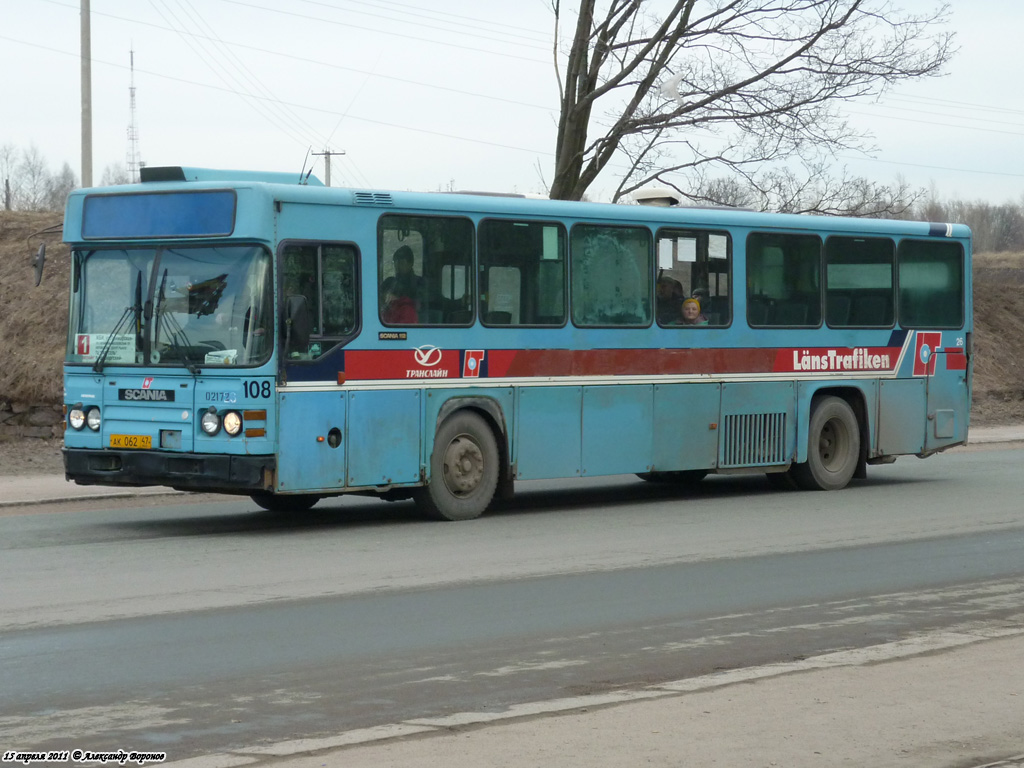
column 33, row 322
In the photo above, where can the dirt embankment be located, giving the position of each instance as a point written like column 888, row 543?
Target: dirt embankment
column 33, row 323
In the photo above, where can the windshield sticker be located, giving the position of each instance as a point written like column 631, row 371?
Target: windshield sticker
column 89, row 346
column 221, row 357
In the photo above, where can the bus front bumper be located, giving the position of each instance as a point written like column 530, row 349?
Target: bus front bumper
column 183, row 471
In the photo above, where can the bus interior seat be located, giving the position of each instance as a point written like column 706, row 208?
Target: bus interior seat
column 717, row 306
column 837, row 309
column 459, row 317
column 870, row 310
column 498, row 318
column 939, row 310
column 790, row 313
column 757, row 312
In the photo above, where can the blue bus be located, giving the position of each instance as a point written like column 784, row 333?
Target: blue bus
column 258, row 334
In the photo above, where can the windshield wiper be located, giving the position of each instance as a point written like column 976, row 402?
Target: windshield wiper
column 176, row 331
column 133, row 310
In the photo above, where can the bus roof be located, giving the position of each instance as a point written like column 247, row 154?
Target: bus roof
column 182, row 173
column 289, row 187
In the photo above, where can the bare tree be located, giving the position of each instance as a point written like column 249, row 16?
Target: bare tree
column 59, row 186
column 813, row 190
column 33, row 179
column 113, row 174
column 8, row 166
column 684, row 86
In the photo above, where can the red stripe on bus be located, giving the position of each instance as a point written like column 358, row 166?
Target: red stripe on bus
column 431, row 363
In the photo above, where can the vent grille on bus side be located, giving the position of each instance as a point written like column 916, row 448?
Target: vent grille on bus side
column 754, row 439
column 373, row 198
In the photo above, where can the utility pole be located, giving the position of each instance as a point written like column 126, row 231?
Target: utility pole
column 86, row 97
column 327, row 163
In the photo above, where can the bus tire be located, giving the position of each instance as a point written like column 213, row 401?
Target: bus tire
column 833, row 447
column 271, row 502
column 463, row 469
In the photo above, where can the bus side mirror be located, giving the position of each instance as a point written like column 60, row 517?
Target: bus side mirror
column 38, row 262
column 297, row 325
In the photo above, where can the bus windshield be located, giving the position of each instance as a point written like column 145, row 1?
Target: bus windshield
column 182, row 306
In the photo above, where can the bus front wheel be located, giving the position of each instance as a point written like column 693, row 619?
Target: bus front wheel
column 291, row 503
column 463, row 469
column 833, row 447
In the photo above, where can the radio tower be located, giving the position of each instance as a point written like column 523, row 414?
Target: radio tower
column 133, row 161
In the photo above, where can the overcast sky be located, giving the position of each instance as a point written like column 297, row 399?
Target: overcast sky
column 424, row 94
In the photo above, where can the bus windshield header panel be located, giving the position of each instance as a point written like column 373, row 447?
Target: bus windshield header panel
column 200, row 213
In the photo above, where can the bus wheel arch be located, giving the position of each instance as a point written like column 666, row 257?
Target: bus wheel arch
column 465, row 467
column 834, row 444
column 491, row 411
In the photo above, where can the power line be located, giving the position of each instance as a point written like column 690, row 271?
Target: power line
column 286, row 103
column 931, row 167
column 987, row 120
column 417, row 38
column 460, row 23
column 264, row 105
column 933, row 124
column 307, row 60
column 460, row 17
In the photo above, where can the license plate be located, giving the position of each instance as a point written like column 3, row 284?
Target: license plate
column 143, row 442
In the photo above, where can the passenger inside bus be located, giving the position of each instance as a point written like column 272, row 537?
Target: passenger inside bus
column 669, row 296
column 691, row 314
column 402, row 292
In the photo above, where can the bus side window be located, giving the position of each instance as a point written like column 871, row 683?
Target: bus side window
column 860, row 281
column 324, row 275
column 338, row 290
column 300, row 265
column 783, row 280
column 693, row 264
column 522, row 273
column 612, row 276
column 931, row 282
column 425, row 270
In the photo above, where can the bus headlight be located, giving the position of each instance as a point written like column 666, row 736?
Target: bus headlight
column 210, row 422
column 76, row 417
column 92, row 418
column 232, row 423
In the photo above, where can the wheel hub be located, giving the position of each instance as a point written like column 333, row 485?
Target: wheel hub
column 463, row 465
column 829, row 443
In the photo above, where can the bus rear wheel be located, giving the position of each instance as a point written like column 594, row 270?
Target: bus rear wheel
column 463, row 470
column 271, row 502
column 833, row 447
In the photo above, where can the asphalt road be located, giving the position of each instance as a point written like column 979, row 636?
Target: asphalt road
column 204, row 626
